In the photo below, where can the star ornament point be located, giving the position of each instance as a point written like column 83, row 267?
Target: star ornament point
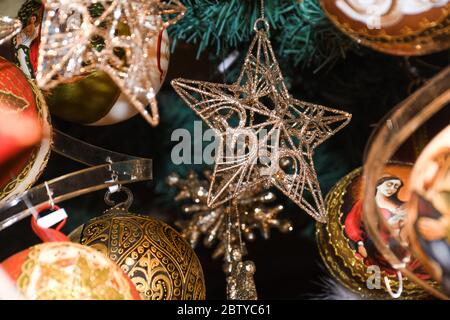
column 75, row 41
column 258, row 105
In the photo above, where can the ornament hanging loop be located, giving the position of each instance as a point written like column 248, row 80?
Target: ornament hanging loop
column 114, row 177
column 50, row 196
column 122, row 205
column 261, row 24
column 397, row 294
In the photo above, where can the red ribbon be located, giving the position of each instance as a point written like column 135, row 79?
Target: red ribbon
column 48, row 234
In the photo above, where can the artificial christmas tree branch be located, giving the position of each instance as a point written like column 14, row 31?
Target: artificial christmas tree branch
column 300, row 30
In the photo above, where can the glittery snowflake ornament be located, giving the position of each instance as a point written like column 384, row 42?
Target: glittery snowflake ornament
column 256, row 208
column 275, row 127
column 121, row 33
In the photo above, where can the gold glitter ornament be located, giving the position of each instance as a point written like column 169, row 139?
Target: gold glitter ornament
column 257, row 103
column 66, row 49
column 240, row 284
column 159, row 262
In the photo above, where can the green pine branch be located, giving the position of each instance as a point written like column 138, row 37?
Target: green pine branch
column 300, row 31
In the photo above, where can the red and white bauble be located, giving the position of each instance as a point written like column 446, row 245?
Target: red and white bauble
column 20, row 98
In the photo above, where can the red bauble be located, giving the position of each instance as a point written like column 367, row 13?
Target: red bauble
column 59, row 269
column 24, row 120
column 65, row 270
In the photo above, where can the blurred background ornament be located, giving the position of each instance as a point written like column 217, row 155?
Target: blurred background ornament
column 18, row 133
column 413, row 112
column 106, row 105
column 159, row 262
column 256, row 209
column 8, row 28
column 429, row 209
column 26, row 43
column 8, row 289
column 399, row 27
column 25, row 142
column 348, row 251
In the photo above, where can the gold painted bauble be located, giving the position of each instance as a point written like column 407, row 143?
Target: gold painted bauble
column 20, row 96
column 68, row 271
column 346, row 249
column 398, row 27
column 160, row 263
column 84, row 100
column 91, row 99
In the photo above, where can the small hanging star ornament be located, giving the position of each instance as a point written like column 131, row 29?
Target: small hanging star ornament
column 258, row 125
column 116, row 40
column 9, row 27
column 240, row 281
column 239, row 274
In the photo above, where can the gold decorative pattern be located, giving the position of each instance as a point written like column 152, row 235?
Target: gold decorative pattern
column 65, row 270
column 339, row 257
column 8, row 98
column 160, row 263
